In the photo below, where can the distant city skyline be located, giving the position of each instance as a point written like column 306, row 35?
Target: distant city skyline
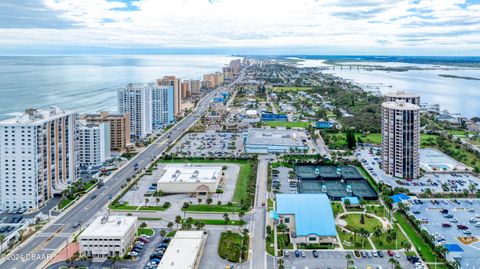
column 365, row 27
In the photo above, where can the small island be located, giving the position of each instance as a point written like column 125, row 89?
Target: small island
column 460, row 77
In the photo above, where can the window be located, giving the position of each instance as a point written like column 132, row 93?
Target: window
column 312, row 238
column 287, row 220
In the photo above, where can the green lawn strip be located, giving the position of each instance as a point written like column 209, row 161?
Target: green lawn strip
column 269, row 244
column 422, row 247
column 171, row 233
column 152, row 208
column 288, row 124
column 230, row 246
column 370, row 180
column 374, row 138
column 356, row 242
column 212, row 208
column 270, row 204
column 120, row 207
column 145, row 231
column 218, row 222
column 65, row 201
column 353, row 221
column 337, row 208
column 149, row 219
column 283, row 242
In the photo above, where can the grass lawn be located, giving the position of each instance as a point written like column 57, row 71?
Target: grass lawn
column 241, row 188
column 423, row 248
column 353, row 221
column 426, row 138
column 149, row 218
column 374, row 138
column 152, row 208
column 290, row 89
column 64, row 202
column 283, row 242
column 122, row 207
column 460, row 132
column 270, row 204
column 230, row 246
column 269, row 243
column 171, row 233
column 337, row 208
column 213, row 208
column 381, row 241
column 145, row 231
column 219, row 222
column 288, row 124
column 356, row 243
column 376, row 210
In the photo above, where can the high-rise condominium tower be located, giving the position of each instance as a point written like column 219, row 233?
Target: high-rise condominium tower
column 401, row 139
column 38, row 157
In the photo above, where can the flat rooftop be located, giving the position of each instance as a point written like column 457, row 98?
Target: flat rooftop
column 313, row 213
column 190, row 173
column 432, row 160
column 183, row 250
column 111, row 226
column 283, row 137
column 34, row 116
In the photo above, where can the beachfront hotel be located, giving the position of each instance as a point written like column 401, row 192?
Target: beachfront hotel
column 401, row 139
column 38, row 157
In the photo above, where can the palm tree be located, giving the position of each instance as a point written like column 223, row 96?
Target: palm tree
column 240, row 218
column 377, row 231
column 392, row 261
column 178, row 220
column 349, row 260
column 162, row 233
column 157, row 200
column 170, row 225
column 146, row 201
column 225, row 217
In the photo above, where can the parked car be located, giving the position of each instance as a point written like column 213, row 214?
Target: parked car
column 303, row 254
column 315, row 254
column 297, row 253
column 390, row 253
column 446, row 225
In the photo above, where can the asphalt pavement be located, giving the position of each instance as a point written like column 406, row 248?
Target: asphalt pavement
column 37, row 250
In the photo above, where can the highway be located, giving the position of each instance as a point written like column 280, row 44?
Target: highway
column 31, row 254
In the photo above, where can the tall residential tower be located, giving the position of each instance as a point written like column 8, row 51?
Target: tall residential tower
column 401, row 139
column 38, row 157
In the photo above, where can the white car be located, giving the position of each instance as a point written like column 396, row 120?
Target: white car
column 454, row 220
column 477, row 224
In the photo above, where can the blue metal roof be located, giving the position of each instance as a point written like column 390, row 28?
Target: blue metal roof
column 313, row 213
column 273, row 215
column 453, row 248
column 353, row 200
column 399, row 197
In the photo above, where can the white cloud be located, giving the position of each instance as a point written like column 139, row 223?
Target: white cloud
column 366, row 25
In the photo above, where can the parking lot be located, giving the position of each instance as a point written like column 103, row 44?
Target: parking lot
column 370, row 157
column 334, row 259
column 209, row 144
column 460, row 218
column 282, row 182
column 136, row 195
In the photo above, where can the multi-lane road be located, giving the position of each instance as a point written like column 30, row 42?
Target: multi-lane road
column 31, row 253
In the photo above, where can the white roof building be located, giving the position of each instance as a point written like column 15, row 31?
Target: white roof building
column 108, row 236
column 188, row 178
column 184, row 251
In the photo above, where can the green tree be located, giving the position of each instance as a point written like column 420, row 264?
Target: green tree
column 178, row 220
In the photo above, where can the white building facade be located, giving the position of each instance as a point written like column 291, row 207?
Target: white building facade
column 150, row 107
column 108, row 236
column 136, row 100
column 38, row 157
column 94, row 143
column 401, row 139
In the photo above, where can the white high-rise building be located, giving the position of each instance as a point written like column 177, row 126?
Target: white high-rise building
column 401, row 139
column 136, row 100
column 150, row 107
column 94, row 143
column 38, row 157
column 402, row 95
column 162, row 105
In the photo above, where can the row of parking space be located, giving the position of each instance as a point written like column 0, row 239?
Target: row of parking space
column 451, row 221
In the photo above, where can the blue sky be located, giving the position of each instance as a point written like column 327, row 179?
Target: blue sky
column 394, row 27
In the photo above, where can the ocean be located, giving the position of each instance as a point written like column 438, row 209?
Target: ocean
column 89, row 83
